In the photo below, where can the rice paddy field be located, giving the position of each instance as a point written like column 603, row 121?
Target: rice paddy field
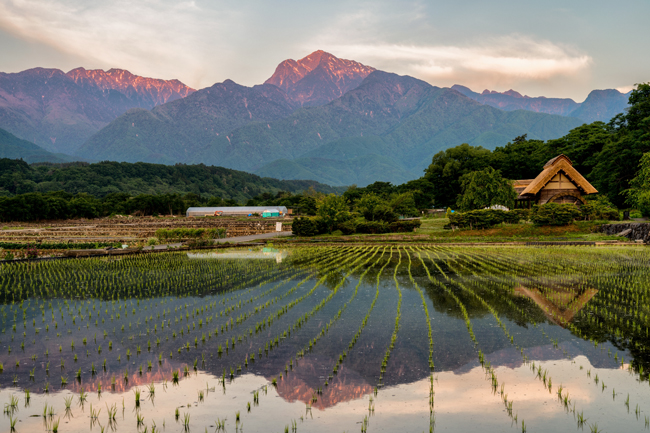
column 323, row 339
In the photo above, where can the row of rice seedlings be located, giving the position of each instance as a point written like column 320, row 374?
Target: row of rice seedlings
column 426, row 312
column 271, row 318
column 398, row 315
column 72, row 345
column 564, row 398
column 343, row 355
column 489, row 371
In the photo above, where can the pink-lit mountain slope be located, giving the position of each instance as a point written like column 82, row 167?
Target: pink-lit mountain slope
column 318, row 78
column 149, row 91
column 60, row 111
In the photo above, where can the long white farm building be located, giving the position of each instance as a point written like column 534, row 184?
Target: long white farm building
column 266, row 211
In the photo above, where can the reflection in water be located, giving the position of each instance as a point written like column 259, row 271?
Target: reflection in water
column 348, row 385
column 264, row 253
column 232, row 325
column 561, row 305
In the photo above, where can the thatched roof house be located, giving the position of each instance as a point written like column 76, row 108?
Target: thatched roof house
column 558, row 182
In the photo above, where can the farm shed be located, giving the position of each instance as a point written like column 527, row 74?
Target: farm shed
column 558, row 182
column 234, row 211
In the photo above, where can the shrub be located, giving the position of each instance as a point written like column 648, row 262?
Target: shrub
column 477, row 219
column 200, row 242
column 515, row 215
column 31, row 253
column 404, row 226
column 304, row 226
column 348, row 227
column 152, row 241
column 8, row 256
column 373, row 227
column 595, row 211
column 554, row 214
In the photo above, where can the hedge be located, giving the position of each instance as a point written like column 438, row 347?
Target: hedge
column 554, row 214
column 186, row 233
column 304, row 226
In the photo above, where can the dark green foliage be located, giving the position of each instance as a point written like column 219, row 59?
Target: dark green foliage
column 449, row 166
column 348, row 227
column 404, row 226
column 485, row 218
column 104, row 178
column 333, row 210
column 373, row 227
column 80, row 190
column 554, row 214
column 599, row 209
column 303, row 226
column 639, row 194
column 514, row 216
column 477, row 219
column 485, row 188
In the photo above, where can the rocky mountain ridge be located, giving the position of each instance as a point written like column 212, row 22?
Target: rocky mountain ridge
column 600, row 104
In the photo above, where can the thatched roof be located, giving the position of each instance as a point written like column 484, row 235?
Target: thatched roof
column 551, row 168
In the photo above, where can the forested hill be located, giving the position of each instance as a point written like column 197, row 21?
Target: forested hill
column 15, row 148
column 104, row 178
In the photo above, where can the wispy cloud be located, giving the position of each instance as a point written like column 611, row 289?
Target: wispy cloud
column 509, row 59
column 151, row 37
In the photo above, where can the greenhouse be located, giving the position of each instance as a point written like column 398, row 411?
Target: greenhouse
column 277, row 211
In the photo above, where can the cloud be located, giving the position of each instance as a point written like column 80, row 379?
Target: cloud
column 498, row 60
column 151, row 37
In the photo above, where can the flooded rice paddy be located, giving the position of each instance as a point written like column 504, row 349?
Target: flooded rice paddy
column 376, row 339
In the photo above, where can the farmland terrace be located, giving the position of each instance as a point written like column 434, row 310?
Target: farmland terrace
column 128, row 229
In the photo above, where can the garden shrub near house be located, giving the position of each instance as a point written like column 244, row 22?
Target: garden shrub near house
column 554, row 214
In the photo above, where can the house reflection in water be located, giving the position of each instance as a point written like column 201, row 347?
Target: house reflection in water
column 264, row 253
column 559, row 304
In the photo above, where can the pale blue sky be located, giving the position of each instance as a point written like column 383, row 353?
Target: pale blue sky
column 551, row 48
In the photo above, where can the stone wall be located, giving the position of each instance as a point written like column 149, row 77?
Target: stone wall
column 632, row 231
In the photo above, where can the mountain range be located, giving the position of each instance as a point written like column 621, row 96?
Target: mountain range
column 600, row 104
column 60, row 111
column 331, row 120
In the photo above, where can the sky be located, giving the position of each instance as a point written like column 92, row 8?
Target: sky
column 540, row 48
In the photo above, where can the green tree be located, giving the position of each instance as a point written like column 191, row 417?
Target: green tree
column 333, row 210
column 484, row 188
column 369, row 206
column 447, row 167
column 618, row 161
column 639, row 193
column 404, row 204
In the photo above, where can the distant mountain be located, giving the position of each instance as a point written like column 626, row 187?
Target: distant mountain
column 600, row 104
column 149, row 92
column 318, row 78
column 387, row 128
column 512, row 100
column 60, row 111
column 13, row 147
column 182, row 130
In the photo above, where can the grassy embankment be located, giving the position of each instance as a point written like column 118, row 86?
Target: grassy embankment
column 432, row 231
